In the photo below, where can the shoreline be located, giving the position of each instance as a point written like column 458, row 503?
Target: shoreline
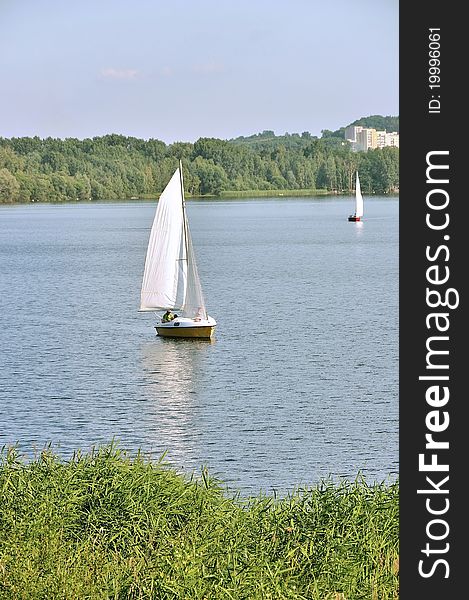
column 228, row 195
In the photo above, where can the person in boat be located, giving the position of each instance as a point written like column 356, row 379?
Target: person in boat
column 168, row 316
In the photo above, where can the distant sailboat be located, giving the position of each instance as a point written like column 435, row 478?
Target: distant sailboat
column 170, row 280
column 358, row 202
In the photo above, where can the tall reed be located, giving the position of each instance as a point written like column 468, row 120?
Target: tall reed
column 107, row 525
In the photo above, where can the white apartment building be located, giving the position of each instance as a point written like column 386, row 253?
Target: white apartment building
column 365, row 138
column 392, row 139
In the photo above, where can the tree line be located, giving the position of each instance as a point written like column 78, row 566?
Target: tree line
column 121, row 167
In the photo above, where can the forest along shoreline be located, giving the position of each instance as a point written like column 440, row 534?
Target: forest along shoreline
column 116, row 167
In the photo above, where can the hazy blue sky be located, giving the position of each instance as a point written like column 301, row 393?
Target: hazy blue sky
column 177, row 71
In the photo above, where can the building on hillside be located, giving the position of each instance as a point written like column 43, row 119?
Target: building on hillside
column 392, row 139
column 366, row 138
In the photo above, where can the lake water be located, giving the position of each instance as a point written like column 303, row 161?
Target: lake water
column 299, row 384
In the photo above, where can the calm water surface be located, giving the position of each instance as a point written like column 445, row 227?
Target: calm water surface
column 300, row 383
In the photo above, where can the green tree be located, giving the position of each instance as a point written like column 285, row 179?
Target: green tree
column 212, row 177
column 9, row 186
column 10, row 160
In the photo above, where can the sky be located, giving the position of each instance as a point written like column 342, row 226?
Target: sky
column 178, row 71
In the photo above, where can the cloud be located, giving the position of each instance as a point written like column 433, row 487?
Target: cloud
column 119, row 74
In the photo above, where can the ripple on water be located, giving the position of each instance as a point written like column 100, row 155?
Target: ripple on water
column 299, row 383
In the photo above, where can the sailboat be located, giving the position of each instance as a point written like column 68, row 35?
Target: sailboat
column 170, row 279
column 358, row 202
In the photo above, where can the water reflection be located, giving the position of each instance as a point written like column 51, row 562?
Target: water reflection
column 173, row 375
column 359, row 228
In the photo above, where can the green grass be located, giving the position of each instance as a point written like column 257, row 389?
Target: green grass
column 108, row 525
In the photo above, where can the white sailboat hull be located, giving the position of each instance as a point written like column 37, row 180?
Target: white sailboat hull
column 188, row 328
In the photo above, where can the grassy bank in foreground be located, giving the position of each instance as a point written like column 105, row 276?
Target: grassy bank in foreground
column 104, row 525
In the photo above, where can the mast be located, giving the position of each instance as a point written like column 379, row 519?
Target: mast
column 184, row 218
column 193, row 296
column 185, row 232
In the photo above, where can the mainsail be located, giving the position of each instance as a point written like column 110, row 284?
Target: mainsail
column 170, row 278
column 358, row 198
